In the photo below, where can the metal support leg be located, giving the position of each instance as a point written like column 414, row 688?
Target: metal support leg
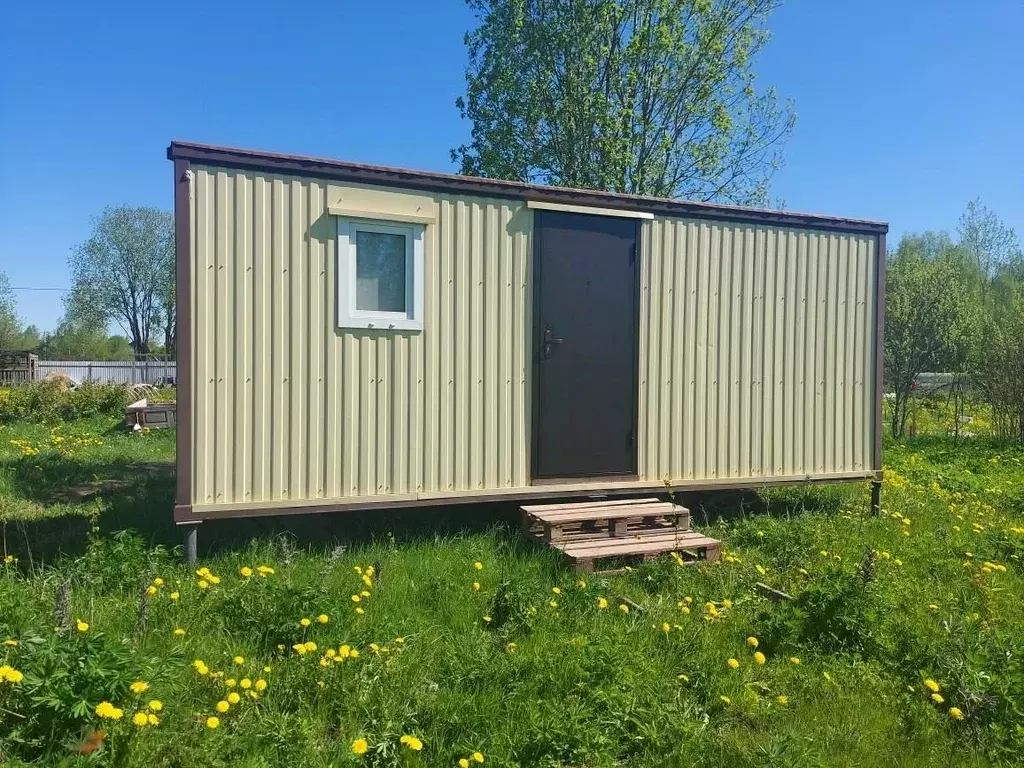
column 191, row 534
column 876, row 497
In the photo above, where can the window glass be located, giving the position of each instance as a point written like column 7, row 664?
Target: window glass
column 380, row 272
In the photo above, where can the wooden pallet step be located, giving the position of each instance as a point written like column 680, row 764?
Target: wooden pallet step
column 585, row 504
column 586, row 557
column 623, row 511
column 633, row 528
column 668, row 541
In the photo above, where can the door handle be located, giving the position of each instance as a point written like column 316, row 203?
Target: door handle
column 549, row 339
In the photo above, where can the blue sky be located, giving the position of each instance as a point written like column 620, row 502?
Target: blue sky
column 906, row 109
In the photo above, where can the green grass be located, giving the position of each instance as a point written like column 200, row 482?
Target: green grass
column 889, row 605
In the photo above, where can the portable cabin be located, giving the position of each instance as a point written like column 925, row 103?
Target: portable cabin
column 357, row 337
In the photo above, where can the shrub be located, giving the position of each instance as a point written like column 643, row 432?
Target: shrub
column 50, row 401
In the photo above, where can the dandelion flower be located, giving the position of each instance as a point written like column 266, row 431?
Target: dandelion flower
column 463, row 762
column 323, row 618
column 81, row 626
column 487, row 619
column 264, row 570
column 222, row 706
column 733, row 664
column 203, row 584
column 725, row 700
column 476, row 586
column 794, row 659
column 310, row 646
column 360, row 611
column 727, row 603
column 174, row 595
column 752, row 642
column 245, row 683
column 581, row 584
column 937, row 698
column 556, row 591
column 12, row 643
column 140, row 720
column 356, row 598
column 478, row 565
column 233, row 697
column 260, row 685
column 150, row 590
column 478, row 757
column 759, row 658
column 511, row 647
column 239, row 660
column 686, row 610
column 359, row 747
column 10, row 674
column 955, row 713
column 156, row 705
column 602, row 603
column 231, row 682
column 200, row 667
column 354, row 653
column 158, row 581
column 553, row 603
column 139, row 686
column 932, row 686
column 412, row 743
column 304, row 622
column 108, row 711
column 782, row 700
column 245, row 572
column 152, row 719
column 623, row 607
column 179, row 632
column 364, row 593
column 212, row 722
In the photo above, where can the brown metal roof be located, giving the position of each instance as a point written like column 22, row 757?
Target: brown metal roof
column 275, row 162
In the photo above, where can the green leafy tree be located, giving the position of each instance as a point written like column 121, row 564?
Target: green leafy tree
column 652, row 97
column 1000, row 351
column 121, row 272
column 930, row 319
column 986, row 239
column 10, row 327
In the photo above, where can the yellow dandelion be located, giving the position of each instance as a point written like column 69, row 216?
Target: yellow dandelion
column 239, row 660
column 222, row 706
column 323, row 618
column 151, row 590
column 463, row 762
column 245, row 683
column 556, row 591
column 158, row 581
column 212, row 722
column 304, row 622
column 794, row 659
column 623, row 607
column 231, row 682
column 360, row 611
column 260, row 685
column 233, row 697
column 955, row 713
column 937, row 698
column 725, row 700
column 478, row 757
column 152, row 719
column 581, row 584
column 511, row 647
column 412, row 743
column 179, row 632
column 200, row 667
column 140, row 720
column 727, row 603
column 310, row 646
column 602, row 603
column 733, row 664
column 932, row 686
column 359, row 747
column 364, row 593
column 666, row 627
column 139, row 686
column 175, row 595
column 156, row 705
column 782, row 700
column 245, row 572
column 203, row 584
column 11, row 643
column 752, row 642
column 81, row 626
column 476, row 586
column 356, row 598
column 759, row 658
column 478, row 565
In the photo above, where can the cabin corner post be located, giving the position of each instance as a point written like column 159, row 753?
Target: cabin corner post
column 183, row 335
column 876, row 465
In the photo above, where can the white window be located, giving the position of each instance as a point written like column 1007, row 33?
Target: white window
column 380, row 275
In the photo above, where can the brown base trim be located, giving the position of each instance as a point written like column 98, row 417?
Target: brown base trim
column 194, row 514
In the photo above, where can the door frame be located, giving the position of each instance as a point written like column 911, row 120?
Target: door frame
column 535, row 336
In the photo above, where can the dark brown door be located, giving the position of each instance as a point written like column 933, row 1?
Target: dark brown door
column 585, row 337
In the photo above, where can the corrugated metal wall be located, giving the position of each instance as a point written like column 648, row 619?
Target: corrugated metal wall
column 289, row 407
column 756, row 351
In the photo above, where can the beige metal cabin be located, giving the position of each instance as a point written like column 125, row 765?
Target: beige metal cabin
column 355, row 336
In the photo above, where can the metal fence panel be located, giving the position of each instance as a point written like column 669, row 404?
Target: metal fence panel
column 108, row 372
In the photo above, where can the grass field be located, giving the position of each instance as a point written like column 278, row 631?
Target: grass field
column 465, row 639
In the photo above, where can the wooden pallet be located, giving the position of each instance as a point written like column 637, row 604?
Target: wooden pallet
column 590, row 534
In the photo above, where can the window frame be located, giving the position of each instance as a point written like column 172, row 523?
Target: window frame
column 349, row 315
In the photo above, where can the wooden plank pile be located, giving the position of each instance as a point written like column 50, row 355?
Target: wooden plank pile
column 601, row 534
